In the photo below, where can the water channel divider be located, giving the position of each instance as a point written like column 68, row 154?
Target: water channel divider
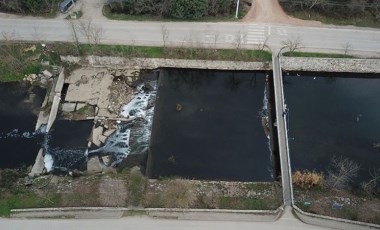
column 55, row 97
column 163, row 213
column 57, row 90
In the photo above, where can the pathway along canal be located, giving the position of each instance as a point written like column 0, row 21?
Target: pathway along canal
column 333, row 115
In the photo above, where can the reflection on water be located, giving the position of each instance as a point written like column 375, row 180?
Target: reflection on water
column 207, row 125
column 333, row 115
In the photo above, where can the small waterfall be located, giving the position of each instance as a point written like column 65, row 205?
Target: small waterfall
column 132, row 137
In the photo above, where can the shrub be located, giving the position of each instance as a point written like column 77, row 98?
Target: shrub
column 340, row 173
column 307, row 179
column 8, row 177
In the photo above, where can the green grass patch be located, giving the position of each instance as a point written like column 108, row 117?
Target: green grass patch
column 176, row 53
column 242, row 203
column 136, row 188
column 27, row 200
column 18, row 60
column 316, row 55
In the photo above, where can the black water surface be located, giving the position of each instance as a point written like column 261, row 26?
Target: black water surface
column 217, row 134
column 67, row 145
column 333, row 115
column 19, row 106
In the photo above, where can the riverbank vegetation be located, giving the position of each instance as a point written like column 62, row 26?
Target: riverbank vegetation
column 18, row 60
column 336, row 193
column 130, row 188
column 316, row 55
column 172, row 9
column 47, row 8
column 338, row 12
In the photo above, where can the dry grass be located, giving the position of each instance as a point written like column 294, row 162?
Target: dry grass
column 175, row 194
column 307, row 179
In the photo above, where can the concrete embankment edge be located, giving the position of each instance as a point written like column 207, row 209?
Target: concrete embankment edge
column 165, row 213
column 331, row 222
column 307, row 64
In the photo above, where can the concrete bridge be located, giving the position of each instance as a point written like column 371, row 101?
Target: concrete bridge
column 282, row 130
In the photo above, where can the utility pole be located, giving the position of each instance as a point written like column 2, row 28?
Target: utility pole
column 237, row 8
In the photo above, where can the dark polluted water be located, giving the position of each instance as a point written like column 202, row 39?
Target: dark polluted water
column 208, row 125
column 66, row 146
column 333, row 115
column 20, row 104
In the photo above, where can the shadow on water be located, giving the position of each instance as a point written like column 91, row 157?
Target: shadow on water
column 333, row 115
column 207, row 125
column 19, row 107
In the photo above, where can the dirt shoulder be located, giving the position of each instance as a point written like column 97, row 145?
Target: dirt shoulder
column 340, row 204
column 270, row 11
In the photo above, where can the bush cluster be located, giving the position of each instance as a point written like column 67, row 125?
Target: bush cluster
column 341, row 9
column 180, row 9
column 27, row 6
column 307, row 179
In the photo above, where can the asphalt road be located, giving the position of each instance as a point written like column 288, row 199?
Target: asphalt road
column 145, row 223
column 223, row 34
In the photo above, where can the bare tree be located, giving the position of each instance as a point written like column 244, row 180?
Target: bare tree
column 240, row 39
column 75, row 37
column 340, row 173
column 91, row 32
column 370, row 186
column 13, row 54
column 263, row 44
column 165, row 34
column 347, row 48
column 292, row 44
column 216, row 37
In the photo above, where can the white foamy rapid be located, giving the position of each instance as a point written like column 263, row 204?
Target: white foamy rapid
column 18, row 134
column 132, row 136
column 48, row 160
column 137, row 107
column 117, row 144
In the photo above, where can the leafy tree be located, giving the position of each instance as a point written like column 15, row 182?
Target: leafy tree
column 189, row 9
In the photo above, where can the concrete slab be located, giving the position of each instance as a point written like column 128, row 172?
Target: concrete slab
column 96, row 132
column 38, row 166
column 68, row 107
column 80, row 105
column 93, row 166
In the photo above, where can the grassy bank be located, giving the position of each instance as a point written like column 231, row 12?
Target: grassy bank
column 132, row 189
column 20, row 59
column 177, row 53
column 315, row 55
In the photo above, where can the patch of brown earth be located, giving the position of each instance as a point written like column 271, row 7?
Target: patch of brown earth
column 270, row 11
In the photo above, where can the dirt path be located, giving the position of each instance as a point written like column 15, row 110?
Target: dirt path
column 270, row 11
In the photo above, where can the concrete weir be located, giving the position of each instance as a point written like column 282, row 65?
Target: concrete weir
column 54, row 97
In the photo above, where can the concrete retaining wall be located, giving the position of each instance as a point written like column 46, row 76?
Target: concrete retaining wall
column 344, row 65
column 288, row 63
column 332, row 222
column 181, row 214
column 154, row 63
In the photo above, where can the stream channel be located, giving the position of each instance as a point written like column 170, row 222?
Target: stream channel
column 333, row 115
